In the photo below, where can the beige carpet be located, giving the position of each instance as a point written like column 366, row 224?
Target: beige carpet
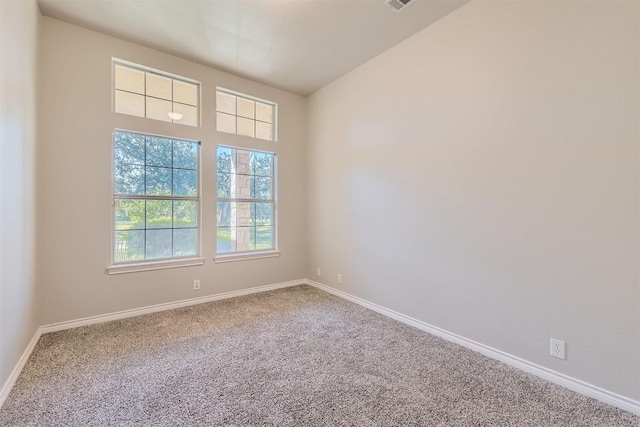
column 292, row 357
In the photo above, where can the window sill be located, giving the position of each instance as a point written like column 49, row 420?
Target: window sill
column 246, row 256
column 154, row 265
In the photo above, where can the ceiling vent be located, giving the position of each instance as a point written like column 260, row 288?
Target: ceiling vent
column 397, row 5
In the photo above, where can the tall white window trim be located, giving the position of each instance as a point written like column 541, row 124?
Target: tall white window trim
column 245, row 115
column 145, row 92
column 246, row 203
column 156, row 200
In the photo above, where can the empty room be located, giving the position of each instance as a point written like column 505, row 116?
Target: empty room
column 319, row 212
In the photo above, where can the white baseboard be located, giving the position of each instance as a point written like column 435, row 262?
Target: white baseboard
column 574, row 384
column 166, row 306
column 9, row 383
column 579, row 386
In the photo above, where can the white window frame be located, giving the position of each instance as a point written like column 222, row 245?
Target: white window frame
column 274, row 122
column 119, row 267
column 143, row 68
column 258, row 253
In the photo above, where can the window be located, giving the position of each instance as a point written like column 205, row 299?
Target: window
column 143, row 92
column 243, row 115
column 156, row 197
column 246, row 202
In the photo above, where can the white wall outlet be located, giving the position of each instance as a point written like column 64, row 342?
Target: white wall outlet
column 557, row 348
column 318, row 271
column 196, row 285
column 339, row 279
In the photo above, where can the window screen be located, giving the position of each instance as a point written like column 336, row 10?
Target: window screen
column 143, row 92
column 243, row 115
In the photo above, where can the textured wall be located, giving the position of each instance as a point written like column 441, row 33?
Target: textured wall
column 19, row 314
column 482, row 176
column 74, row 214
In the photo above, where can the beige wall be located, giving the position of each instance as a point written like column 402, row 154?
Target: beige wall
column 482, row 176
column 74, row 177
column 19, row 311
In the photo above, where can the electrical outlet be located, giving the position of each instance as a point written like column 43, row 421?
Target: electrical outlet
column 196, row 285
column 557, row 349
column 318, row 271
column 339, row 279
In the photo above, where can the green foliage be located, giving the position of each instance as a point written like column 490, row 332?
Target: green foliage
column 154, row 166
column 149, row 165
column 146, row 165
column 260, row 183
column 262, row 240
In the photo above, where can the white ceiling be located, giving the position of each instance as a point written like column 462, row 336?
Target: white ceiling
column 296, row 45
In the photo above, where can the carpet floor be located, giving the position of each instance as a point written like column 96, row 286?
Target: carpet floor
column 291, row 357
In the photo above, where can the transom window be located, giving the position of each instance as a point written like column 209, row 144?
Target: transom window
column 245, row 201
column 244, row 115
column 156, row 197
column 144, row 92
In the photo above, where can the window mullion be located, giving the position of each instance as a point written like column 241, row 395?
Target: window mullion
column 232, row 200
column 151, row 197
